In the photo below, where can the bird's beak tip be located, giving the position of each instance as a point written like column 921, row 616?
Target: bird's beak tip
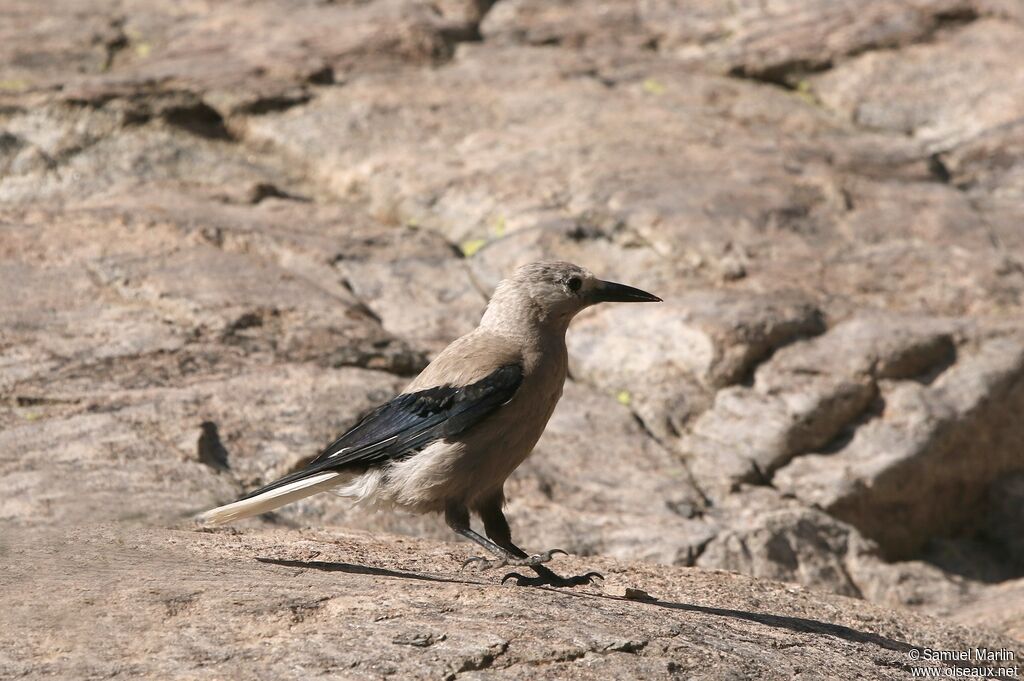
column 610, row 292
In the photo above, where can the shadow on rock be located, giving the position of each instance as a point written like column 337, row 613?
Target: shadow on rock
column 800, row 625
column 352, row 569
column 797, row 624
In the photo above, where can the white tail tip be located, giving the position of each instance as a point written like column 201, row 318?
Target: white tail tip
column 270, row 500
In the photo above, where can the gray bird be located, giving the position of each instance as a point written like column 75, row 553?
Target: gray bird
column 451, row 439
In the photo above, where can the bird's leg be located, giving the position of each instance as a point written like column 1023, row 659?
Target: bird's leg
column 496, row 526
column 457, row 517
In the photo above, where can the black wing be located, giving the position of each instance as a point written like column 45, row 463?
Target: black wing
column 410, row 422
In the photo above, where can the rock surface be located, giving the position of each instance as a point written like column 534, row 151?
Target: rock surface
column 287, row 604
column 267, row 216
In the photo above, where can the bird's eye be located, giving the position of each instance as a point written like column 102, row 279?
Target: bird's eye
column 574, row 284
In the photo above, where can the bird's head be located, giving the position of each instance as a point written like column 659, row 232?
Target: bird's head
column 559, row 290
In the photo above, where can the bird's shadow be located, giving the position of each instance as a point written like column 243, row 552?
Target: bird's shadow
column 353, row 569
column 801, row 625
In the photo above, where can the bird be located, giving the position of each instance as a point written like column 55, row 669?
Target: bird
column 453, row 436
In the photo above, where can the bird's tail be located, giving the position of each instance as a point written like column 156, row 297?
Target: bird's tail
column 272, row 496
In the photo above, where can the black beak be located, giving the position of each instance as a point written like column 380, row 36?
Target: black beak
column 610, row 292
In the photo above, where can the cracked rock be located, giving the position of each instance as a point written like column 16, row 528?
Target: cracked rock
column 897, row 477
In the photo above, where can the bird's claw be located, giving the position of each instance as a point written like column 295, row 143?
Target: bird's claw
column 553, row 579
column 530, row 561
column 537, row 558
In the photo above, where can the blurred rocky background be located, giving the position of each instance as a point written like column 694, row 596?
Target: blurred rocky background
column 228, row 228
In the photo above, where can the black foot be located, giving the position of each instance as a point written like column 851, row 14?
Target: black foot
column 530, row 561
column 546, row 577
